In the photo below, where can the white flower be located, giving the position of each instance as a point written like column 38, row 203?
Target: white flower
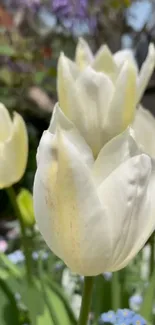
column 144, row 127
column 94, row 213
column 13, row 148
column 98, row 107
column 110, row 64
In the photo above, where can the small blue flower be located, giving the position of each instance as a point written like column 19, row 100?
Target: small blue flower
column 135, row 301
column 122, row 317
column 138, row 320
column 107, row 276
column 124, row 314
column 109, row 317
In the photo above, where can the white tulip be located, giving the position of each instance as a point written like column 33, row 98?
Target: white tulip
column 13, row 148
column 105, row 61
column 98, row 107
column 95, row 214
column 144, row 127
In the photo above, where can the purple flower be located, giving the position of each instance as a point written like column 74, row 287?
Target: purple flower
column 72, row 12
column 70, row 8
column 30, row 4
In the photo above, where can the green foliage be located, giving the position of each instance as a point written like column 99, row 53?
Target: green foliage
column 149, row 296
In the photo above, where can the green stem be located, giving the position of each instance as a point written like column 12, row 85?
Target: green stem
column 116, row 291
column 86, row 300
column 152, row 261
column 12, row 197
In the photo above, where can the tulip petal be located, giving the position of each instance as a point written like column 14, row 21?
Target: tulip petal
column 146, row 72
column 83, row 55
column 144, row 127
column 67, row 74
column 122, row 56
column 122, row 108
column 113, row 154
column 59, row 120
column 68, row 210
column 13, row 153
column 129, row 205
column 5, row 123
column 145, row 223
column 89, row 104
column 104, row 62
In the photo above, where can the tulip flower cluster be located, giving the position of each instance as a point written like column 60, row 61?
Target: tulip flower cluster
column 94, row 186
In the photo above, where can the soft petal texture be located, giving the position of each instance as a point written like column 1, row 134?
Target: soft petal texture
column 13, row 153
column 59, row 120
column 114, row 153
column 122, row 108
column 146, row 71
column 123, row 56
column 67, row 73
column 128, row 198
column 103, row 62
column 144, row 127
column 98, row 108
column 5, row 123
column 83, row 54
column 91, row 225
column 63, row 195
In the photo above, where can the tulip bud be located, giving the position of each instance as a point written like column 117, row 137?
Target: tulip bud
column 25, row 203
column 13, row 148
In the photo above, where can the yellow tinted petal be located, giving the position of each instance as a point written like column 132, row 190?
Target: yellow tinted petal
column 5, row 123
column 83, row 54
column 13, row 153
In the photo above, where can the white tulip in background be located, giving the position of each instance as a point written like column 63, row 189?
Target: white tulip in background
column 95, row 211
column 110, row 64
column 13, row 148
column 105, row 89
column 99, row 107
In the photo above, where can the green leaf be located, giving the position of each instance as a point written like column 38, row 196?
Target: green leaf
column 9, row 313
column 25, row 203
column 34, row 301
column 58, row 307
column 13, row 269
column 7, row 50
column 58, row 290
column 55, row 305
column 146, row 308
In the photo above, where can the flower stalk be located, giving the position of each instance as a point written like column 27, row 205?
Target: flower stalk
column 86, row 300
column 13, row 201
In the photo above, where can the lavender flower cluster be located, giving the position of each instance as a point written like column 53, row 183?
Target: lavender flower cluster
column 122, row 317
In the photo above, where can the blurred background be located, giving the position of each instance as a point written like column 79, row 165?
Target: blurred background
column 32, row 35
